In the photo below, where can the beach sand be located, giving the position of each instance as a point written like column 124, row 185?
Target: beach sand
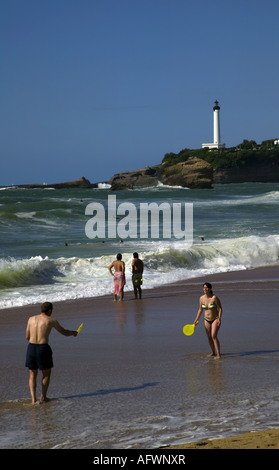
column 132, row 366
column 267, row 439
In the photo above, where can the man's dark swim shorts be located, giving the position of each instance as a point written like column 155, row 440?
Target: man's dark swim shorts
column 39, row 356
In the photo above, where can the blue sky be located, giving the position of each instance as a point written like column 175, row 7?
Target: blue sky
column 95, row 87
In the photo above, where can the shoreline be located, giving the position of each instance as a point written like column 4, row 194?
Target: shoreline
column 266, row 439
column 250, row 275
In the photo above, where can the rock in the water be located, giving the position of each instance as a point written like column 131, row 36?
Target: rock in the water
column 129, row 179
column 79, row 183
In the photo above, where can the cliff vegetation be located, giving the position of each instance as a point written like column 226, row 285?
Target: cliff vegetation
column 247, row 162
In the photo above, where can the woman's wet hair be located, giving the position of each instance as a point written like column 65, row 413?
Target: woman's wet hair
column 207, row 284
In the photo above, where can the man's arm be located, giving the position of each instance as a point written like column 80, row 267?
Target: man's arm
column 62, row 330
column 27, row 331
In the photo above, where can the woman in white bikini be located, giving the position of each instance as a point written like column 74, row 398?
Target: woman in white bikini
column 212, row 317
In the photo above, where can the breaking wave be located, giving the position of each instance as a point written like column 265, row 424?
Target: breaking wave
column 34, row 279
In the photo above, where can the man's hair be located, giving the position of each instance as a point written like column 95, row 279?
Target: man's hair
column 119, row 256
column 46, row 307
column 135, row 255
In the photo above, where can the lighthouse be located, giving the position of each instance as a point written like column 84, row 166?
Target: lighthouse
column 216, row 129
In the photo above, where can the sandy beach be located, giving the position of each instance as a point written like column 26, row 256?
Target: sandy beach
column 133, row 380
column 268, row 439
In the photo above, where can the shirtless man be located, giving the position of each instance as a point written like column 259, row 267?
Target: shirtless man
column 39, row 353
column 118, row 276
column 137, row 271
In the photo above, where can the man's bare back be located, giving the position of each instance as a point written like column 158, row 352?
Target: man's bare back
column 39, row 353
column 137, row 270
column 40, row 326
column 137, row 266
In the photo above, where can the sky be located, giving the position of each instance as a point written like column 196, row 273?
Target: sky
column 96, row 87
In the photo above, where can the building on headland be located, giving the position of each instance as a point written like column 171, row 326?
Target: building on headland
column 216, row 144
column 276, row 142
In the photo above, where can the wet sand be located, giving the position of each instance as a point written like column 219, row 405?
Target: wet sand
column 178, row 292
column 268, row 439
column 134, row 353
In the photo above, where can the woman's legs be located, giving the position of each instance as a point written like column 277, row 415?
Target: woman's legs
column 212, row 331
column 207, row 326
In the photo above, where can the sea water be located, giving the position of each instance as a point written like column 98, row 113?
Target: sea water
column 45, row 253
column 165, row 390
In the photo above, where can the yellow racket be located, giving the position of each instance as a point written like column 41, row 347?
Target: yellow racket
column 79, row 328
column 188, row 330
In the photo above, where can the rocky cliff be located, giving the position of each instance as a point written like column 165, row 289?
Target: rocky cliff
column 194, row 173
column 256, row 173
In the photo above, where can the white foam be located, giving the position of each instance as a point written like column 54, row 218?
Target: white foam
column 104, row 186
column 60, row 279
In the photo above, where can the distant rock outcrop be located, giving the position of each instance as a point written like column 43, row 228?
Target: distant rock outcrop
column 193, row 173
column 79, row 183
column 236, row 165
column 129, row 179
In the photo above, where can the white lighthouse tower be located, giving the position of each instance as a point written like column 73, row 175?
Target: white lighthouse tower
column 216, row 130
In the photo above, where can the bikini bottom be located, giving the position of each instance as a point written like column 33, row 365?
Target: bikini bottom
column 211, row 321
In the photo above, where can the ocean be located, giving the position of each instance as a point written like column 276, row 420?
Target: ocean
column 131, row 379
column 46, row 254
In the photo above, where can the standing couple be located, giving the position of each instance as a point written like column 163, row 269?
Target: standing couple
column 118, row 274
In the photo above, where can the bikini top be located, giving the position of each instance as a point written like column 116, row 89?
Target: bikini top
column 212, row 305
